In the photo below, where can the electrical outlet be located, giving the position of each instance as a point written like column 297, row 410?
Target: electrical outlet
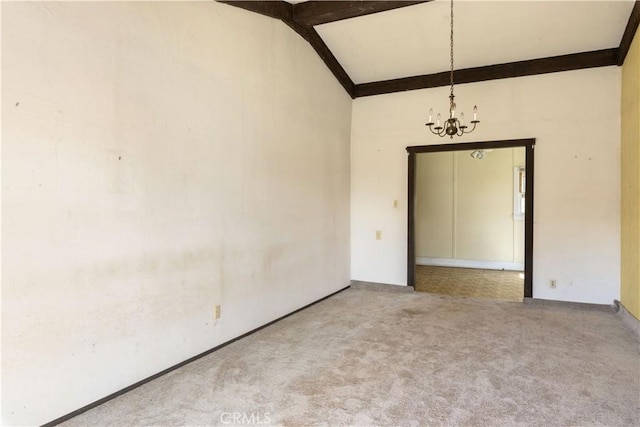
column 216, row 312
column 378, row 235
column 552, row 283
column 395, row 203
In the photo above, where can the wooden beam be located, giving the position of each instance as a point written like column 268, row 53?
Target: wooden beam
column 316, row 42
column 576, row 61
column 311, row 13
column 302, row 16
column 629, row 32
column 284, row 11
column 272, row 8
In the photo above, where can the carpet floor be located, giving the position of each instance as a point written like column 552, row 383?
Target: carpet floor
column 470, row 282
column 368, row 358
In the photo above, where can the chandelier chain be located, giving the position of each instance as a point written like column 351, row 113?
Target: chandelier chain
column 452, row 126
column 451, row 39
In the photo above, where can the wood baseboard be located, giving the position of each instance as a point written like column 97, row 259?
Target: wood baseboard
column 628, row 318
column 571, row 304
column 179, row 365
column 468, row 263
column 383, row 287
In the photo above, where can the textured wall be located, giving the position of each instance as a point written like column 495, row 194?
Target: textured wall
column 159, row 158
column 630, row 276
column 575, row 117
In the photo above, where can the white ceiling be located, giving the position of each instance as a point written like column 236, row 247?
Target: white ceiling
column 414, row 40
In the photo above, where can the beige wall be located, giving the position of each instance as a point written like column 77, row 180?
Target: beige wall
column 630, row 277
column 464, row 209
column 159, row 158
column 574, row 117
column 484, row 224
column 435, row 205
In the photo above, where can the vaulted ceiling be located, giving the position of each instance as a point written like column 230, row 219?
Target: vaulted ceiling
column 375, row 47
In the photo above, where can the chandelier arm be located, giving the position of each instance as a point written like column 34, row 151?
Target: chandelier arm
column 435, row 131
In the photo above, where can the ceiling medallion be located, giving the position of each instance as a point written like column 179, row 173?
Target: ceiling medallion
column 453, row 125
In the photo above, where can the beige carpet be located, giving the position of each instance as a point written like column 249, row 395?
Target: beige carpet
column 377, row 358
column 470, row 282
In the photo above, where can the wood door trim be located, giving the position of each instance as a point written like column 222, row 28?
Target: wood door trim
column 528, row 144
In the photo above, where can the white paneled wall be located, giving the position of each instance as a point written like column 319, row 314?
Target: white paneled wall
column 465, row 209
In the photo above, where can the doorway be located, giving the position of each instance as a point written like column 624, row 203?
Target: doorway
column 476, row 151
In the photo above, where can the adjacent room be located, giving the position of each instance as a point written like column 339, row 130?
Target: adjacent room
column 469, row 222
column 217, row 212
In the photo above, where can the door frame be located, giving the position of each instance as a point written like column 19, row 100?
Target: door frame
column 528, row 144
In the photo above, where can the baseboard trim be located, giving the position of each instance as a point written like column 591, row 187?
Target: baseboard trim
column 570, row 304
column 470, row 263
column 628, row 318
column 383, row 287
column 180, row 365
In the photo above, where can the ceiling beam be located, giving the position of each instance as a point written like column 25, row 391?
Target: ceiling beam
column 576, row 61
column 629, row 32
column 302, row 16
column 272, row 8
column 284, row 11
column 316, row 42
column 311, row 13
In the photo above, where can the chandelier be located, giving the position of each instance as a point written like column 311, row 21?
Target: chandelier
column 452, row 126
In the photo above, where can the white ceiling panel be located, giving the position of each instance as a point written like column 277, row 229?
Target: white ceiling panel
column 415, row 40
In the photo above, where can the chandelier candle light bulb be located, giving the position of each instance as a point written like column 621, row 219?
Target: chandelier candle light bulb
column 452, row 126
